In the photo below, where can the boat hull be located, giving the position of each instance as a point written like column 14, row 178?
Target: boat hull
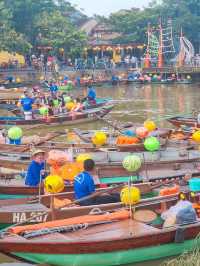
column 179, row 121
column 111, row 258
column 79, row 118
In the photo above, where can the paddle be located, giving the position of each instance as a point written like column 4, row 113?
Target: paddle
column 109, row 123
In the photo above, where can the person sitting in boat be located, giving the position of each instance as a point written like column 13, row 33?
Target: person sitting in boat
column 91, row 96
column 114, row 79
column 27, row 103
column 84, row 187
column 53, row 88
column 35, row 172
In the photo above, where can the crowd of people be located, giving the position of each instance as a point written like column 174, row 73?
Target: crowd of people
column 53, row 102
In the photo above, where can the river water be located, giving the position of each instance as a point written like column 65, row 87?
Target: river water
column 136, row 103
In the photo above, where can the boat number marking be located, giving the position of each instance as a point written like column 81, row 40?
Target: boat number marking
column 19, row 217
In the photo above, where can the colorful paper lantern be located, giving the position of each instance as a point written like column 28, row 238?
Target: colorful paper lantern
column 152, row 144
column 83, row 157
column 18, row 80
column 43, row 110
column 129, row 133
column 70, row 106
column 130, row 195
column 132, row 163
column 142, row 132
column 15, row 133
column 99, row 138
column 68, row 171
column 54, row 184
column 196, row 136
column 150, row 125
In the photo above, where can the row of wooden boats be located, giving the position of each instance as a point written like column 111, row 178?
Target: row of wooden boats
column 101, row 82
column 57, row 230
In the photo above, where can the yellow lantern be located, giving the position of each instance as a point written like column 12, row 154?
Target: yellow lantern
column 196, row 136
column 150, row 125
column 130, row 195
column 42, row 78
column 61, row 50
column 70, row 106
column 18, row 80
column 99, row 138
column 54, row 184
column 83, row 157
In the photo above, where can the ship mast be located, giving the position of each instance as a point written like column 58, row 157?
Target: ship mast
column 160, row 49
column 147, row 63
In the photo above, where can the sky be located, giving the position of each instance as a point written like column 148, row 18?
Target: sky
column 105, row 7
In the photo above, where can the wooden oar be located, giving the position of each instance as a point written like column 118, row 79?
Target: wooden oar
column 109, row 123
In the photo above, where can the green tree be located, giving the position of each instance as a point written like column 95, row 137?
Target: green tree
column 10, row 40
column 58, row 32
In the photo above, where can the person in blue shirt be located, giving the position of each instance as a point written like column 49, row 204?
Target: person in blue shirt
column 91, row 96
column 35, row 171
column 114, row 79
column 26, row 104
column 84, row 186
column 53, row 88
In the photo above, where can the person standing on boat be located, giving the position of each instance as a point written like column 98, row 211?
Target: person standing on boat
column 27, row 103
column 35, row 172
column 84, row 187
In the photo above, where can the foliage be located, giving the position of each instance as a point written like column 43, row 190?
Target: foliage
column 133, row 23
column 59, row 33
column 26, row 24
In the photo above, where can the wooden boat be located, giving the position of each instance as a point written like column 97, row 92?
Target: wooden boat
column 12, row 85
column 20, row 160
column 86, row 136
column 116, row 239
column 107, row 173
column 69, row 119
column 183, row 120
column 17, row 210
column 9, row 104
column 10, row 108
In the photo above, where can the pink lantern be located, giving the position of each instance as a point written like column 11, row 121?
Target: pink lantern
column 142, row 132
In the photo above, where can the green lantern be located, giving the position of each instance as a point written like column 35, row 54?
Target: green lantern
column 132, row 163
column 152, row 144
column 15, row 133
column 43, row 110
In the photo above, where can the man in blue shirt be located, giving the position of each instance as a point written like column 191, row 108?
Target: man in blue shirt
column 26, row 104
column 84, row 183
column 91, row 95
column 35, row 171
column 84, row 186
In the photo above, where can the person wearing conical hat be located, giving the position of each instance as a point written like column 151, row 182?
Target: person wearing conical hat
column 35, row 172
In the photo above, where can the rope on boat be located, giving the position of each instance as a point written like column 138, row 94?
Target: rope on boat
column 62, row 229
